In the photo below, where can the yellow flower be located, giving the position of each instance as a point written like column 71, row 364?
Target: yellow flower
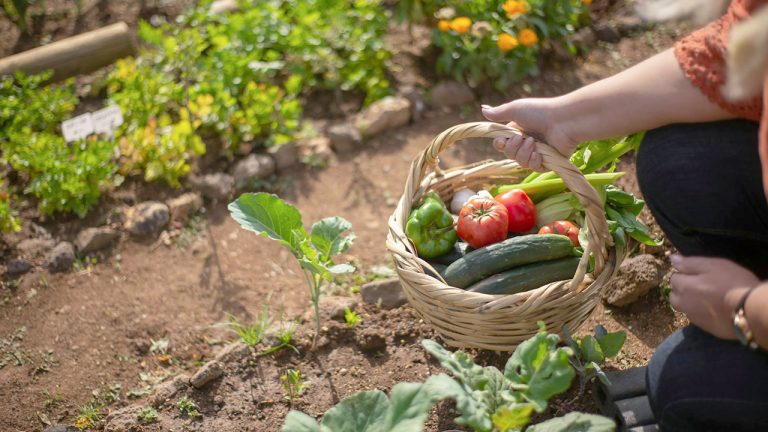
column 507, row 42
column 461, row 25
column 514, row 7
column 528, row 37
column 443, row 25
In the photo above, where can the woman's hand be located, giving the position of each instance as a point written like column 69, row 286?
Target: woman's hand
column 537, row 118
column 708, row 290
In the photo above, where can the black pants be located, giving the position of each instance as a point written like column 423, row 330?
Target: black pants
column 703, row 185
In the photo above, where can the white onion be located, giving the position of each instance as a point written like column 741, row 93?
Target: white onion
column 460, row 198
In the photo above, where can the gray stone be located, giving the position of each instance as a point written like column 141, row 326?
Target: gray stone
column 61, row 428
column 606, row 32
column 17, row 267
column 627, row 24
column 386, row 292
column 93, row 239
column 184, row 205
column 253, row 167
column 233, row 353
column 167, row 390
column 451, row 93
column 146, row 218
column 209, row 372
column 217, row 186
column 35, row 248
column 344, row 137
column 584, row 38
column 285, row 155
column 61, row 257
column 384, row 115
column 124, row 419
column 635, row 278
column 371, row 340
column 418, row 104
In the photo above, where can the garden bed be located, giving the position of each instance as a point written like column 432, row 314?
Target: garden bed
column 84, row 337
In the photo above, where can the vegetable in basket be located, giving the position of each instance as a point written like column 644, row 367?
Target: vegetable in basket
column 482, row 222
column 430, row 227
column 521, row 210
column 527, row 277
column 566, row 228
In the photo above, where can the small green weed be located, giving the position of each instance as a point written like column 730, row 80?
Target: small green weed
column 88, row 416
column 148, row 415
column 284, row 336
column 293, row 384
column 251, row 335
column 351, row 317
column 189, row 407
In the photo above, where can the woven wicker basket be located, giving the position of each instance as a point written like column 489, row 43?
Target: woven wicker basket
column 496, row 322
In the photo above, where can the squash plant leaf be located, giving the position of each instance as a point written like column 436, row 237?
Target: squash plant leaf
column 611, row 343
column 268, row 215
column 575, row 422
column 297, row 421
column 361, row 412
column 327, row 236
column 540, row 369
column 512, row 417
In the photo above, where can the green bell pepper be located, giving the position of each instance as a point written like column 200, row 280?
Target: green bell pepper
column 430, row 227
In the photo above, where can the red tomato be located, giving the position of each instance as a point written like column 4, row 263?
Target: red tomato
column 566, row 228
column 482, row 221
column 521, row 210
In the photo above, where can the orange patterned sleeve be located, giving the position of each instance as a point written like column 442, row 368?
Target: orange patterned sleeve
column 702, row 58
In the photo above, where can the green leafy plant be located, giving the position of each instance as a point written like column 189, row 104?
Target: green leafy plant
column 284, row 337
column 487, row 399
column 293, row 383
column 499, row 40
column 88, row 416
column 351, row 317
column 9, row 219
column 188, row 407
column 148, row 415
column 251, row 335
column 591, row 351
column 269, row 216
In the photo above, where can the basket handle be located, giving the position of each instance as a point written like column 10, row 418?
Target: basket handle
column 597, row 226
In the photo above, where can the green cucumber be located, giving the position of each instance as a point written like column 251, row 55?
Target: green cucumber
column 460, row 249
column 498, row 257
column 527, row 277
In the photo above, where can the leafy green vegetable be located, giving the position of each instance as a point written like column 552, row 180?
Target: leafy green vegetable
column 268, row 215
column 541, row 189
column 621, row 210
column 575, row 422
column 371, row 411
column 591, row 352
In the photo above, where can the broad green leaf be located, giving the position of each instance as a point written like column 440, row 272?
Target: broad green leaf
column 459, row 364
column 297, row 421
column 540, row 369
column 362, row 412
column 575, row 422
column 327, row 236
column 411, row 402
column 591, row 350
column 268, row 215
column 611, row 343
column 512, row 418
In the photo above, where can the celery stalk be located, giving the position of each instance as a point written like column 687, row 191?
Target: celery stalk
column 541, row 189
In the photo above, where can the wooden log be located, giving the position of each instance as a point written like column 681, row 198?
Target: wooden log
column 75, row 55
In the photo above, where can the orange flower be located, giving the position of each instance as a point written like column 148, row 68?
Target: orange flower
column 528, row 37
column 443, row 25
column 586, row 2
column 514, row 7
column 507, row 42
column 461, row 25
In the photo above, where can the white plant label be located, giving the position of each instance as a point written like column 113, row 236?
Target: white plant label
column 77, row 127
column 107, row 119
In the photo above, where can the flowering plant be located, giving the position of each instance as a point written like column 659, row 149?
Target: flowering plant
column 500, row 39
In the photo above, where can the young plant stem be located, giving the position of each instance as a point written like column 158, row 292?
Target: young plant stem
column 314, row 281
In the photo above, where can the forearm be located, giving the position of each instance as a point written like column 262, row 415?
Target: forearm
column 651, row 94
column 755, row 310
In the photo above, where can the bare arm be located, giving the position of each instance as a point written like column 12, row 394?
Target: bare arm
column 646, row 96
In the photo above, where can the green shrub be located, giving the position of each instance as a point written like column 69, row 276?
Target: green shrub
column 65, row 177
column 8, row 218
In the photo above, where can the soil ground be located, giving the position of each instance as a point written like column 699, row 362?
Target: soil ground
column 67, row 339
